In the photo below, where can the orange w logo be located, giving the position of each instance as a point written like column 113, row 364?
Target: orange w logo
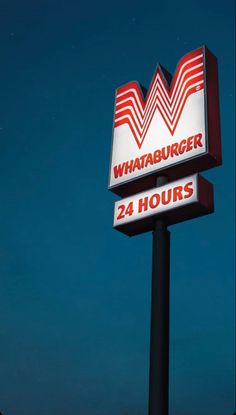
column 137, row 110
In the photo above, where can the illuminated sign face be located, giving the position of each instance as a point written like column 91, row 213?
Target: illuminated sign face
column 174, row 202
column 173, row 128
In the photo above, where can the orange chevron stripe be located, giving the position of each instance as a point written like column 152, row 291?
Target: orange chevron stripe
column 133, row 109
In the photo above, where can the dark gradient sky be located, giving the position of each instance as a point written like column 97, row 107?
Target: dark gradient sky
column 75, row 294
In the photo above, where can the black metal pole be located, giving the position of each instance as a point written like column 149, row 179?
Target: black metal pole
column 159, row 339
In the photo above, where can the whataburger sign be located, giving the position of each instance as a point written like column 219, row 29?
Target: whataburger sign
column 162, row 139
column 172, row 129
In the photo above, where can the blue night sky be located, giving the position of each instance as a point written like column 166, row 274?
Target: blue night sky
column 74, row 293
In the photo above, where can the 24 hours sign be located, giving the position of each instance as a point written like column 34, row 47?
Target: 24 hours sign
column 174, row 202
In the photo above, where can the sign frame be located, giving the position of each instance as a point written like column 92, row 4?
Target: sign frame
column 210, row 158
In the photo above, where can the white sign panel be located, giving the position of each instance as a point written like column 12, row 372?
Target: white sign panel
column 164, row 127
column 175, row 196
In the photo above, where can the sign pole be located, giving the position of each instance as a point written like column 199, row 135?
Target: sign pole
column 159, row 339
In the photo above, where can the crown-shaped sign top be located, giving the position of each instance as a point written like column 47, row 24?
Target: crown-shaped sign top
column 137, row 110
